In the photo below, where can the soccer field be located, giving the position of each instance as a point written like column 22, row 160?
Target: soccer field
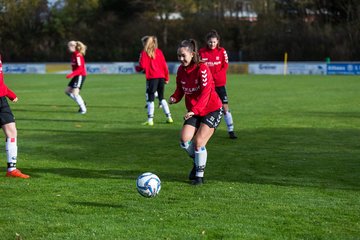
column 293, row 173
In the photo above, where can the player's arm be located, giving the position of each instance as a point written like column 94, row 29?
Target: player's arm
column 166, row 69
column 143, row 62
column 139, row 67
column 80, row 62
column 221, row 74
column 11, row 95
column 179, row 93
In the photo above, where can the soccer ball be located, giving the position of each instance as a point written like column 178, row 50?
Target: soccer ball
column 148, row 184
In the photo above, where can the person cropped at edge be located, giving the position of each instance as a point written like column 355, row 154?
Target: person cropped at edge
column 8, row 125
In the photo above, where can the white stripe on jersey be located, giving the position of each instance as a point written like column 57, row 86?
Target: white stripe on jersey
column 78, row 61
column 226, row 57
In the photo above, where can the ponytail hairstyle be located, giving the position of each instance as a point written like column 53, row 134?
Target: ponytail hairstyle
column 192, row 46
column 144, row 39
column 81, row 48
column 150, row 45
column 213, row 34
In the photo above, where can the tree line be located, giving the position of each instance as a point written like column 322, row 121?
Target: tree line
column 308, row 30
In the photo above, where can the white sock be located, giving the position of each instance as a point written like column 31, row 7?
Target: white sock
column 229, row 121
column 165, row 108
column 200, row 161
column 11, row 153
column 188, row 147
column 150, row 111
column 80, row 102
column 156, row 94
column 70, row 95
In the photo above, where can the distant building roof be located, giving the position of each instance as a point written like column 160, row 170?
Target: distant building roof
column 170, row 16
column 242, row 15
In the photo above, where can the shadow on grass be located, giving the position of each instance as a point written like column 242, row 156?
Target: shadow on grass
column 85, row 173
column 52, row 107
column 54, row 110
column 96, row 204
column 67, row 120
column 326, row 158
column 332, row 114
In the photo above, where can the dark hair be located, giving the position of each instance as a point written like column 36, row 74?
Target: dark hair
column 191, row 44
column 213, row 34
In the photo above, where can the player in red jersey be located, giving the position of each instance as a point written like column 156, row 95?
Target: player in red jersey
column 204, row 107
column 78, row 74
column 153, row 63
column 8, row 125
column 216, row 59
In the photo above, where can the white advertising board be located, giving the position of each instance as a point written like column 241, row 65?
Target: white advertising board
column 266, row 68
column 24, row 68
column 110, row 68
column 292, row 68
column 306, row 68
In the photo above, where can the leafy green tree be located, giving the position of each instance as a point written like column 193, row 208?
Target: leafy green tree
column 32, row 30
column 21, row 28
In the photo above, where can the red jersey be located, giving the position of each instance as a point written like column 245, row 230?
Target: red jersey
column 4, row 90
column 154, row 68
column 77, row 64
column 217, row 61
column 196, row 83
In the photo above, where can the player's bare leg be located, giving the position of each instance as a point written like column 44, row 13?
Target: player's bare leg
column 186, row 143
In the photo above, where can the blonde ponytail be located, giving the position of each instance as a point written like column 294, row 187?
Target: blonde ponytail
column 151, row 44
column 81, row 48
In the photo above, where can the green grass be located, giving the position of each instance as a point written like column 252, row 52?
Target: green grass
column 293, row 173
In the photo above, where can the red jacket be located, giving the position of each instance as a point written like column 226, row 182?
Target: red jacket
column 217, row 61
column 77, row 64
column 154, row 68
column 4, row 90
column 196, row 83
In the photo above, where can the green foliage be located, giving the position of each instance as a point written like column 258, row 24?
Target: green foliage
column 291, row 174
column 21, row 28
column 33, row 31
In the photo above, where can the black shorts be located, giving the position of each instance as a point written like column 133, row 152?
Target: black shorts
column 6, row 116
column 212, row 119
column 221, row 91
column 77, row 82
column 153, row 85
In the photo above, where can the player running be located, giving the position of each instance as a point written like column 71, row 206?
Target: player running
column 204, row 107
column 216, row 59
column 9, row 127
column 153, row 63
column 78, row 74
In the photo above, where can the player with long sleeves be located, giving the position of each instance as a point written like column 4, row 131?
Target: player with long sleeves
column 216, row 59
column 153, row 63
column 8, row 125
column 78, row 74
column 204, row 107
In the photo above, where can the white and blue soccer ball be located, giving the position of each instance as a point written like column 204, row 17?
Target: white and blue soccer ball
column 148, row 184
